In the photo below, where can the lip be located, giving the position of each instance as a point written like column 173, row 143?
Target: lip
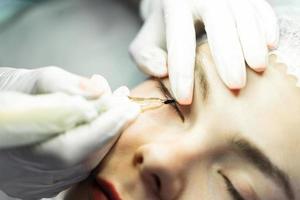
column 104, row 190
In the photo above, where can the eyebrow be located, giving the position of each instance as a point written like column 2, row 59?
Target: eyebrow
column 168, row 95
column 201, row 78
column 263, row 164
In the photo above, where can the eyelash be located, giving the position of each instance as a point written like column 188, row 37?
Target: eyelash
column 231, row 189
column 171, row 99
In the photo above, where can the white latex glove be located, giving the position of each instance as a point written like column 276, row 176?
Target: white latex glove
column 27, row 119
column 41, row 170
column 49, row 80
column 237, row 30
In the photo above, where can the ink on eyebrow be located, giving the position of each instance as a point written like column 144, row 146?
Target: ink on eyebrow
column 172, row 101
column 165, row 90
column 169, row 101
column 152, row 103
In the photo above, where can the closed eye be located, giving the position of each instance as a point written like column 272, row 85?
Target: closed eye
column 231, row 189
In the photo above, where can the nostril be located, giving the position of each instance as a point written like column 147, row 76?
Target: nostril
column 160, row 177
column 138, row 160
column 157, row 182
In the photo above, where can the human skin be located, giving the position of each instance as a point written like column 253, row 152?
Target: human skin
column 160, row 157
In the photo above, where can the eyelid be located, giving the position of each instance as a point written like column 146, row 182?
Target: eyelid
column 231, row 189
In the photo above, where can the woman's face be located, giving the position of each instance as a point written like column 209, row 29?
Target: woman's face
column 231, row 145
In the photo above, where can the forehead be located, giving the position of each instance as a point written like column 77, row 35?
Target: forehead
column 267, row 111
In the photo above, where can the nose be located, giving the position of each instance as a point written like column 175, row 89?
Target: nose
column 161, row 169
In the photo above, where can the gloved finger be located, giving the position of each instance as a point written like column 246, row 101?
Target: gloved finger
column 101, row 84
column 225, row 45
column 55, row 79
column 251, row 36
column 181, row 45
column 107, row 102
column 268, row 22
column 147, row 48
column 122, row 91
column 76, row 145
column 27, row 119
column 147, row 7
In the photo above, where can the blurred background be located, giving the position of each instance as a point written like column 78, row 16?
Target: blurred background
column 81, row 36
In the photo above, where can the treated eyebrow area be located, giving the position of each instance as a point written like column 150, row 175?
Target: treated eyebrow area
column 201, row 78
column 264, row 165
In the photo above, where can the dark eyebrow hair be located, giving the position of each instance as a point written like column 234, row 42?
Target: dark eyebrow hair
column 263, row 164
column 201, row 78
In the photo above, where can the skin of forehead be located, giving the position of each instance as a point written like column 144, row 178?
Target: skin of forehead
column 277, row 70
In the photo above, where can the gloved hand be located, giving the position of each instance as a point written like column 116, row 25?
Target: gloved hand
column 82, row 132
column 26, row 119
column 49, row 114
column 237, row 30
column 49, row 80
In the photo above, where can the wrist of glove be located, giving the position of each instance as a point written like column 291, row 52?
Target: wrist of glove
column 22, row 80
